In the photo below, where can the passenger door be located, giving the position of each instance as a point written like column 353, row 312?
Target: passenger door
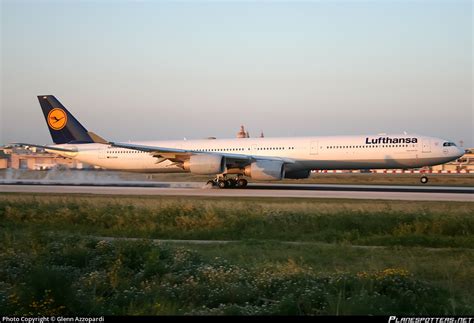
column 426, row 146
column 103, row 152
column 313, row 150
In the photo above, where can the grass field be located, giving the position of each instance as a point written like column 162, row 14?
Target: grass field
column 287, row 256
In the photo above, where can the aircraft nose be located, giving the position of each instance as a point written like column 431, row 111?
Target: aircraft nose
column 460, row 152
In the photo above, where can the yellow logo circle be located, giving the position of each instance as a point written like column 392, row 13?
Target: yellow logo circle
column 57, row 119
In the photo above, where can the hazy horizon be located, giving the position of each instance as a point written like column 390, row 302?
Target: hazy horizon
column 156, row 70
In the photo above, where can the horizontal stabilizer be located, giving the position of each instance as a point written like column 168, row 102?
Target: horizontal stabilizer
column 24, row 145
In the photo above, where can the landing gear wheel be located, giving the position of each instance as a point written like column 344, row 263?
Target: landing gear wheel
column 424, row 179
column 230, row 183
column 241, row 183
column 222, row 184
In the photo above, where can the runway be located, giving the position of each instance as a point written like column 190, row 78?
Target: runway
column 409, row 193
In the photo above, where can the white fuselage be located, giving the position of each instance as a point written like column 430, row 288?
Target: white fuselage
column 331, row 152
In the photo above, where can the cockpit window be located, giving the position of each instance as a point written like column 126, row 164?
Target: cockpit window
column 447, row 144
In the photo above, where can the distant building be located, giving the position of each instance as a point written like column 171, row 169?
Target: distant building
column 242, row 133
column 3, row 159
column 465, row 162
column 37, row 159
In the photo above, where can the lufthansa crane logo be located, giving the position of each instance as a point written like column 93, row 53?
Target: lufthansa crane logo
column 57, row 119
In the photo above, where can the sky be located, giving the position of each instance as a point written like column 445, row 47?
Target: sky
column 156, row 70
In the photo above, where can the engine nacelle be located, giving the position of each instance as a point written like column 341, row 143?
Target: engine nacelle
column 298, row 174
column 265, row 170
column 205, row 164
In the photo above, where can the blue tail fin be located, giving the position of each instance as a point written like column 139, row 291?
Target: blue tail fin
column 64, row 128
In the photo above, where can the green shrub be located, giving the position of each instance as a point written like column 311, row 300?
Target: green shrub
column 69, row 276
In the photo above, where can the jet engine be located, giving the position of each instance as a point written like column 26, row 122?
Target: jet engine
column 298, row 174
column 265, row 170
column 203, row 164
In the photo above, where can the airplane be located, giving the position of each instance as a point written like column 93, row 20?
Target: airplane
column 231, row 160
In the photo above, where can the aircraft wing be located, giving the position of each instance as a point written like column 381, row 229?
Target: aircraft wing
column 180, row 155
column 68, row 150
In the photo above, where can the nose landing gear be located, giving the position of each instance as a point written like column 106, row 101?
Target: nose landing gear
column 424, row 179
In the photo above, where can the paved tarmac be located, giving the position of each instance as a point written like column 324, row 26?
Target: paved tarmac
column 386, row 192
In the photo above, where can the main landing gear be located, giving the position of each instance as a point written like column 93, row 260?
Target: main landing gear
column 424, row 179
column 225, row 182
